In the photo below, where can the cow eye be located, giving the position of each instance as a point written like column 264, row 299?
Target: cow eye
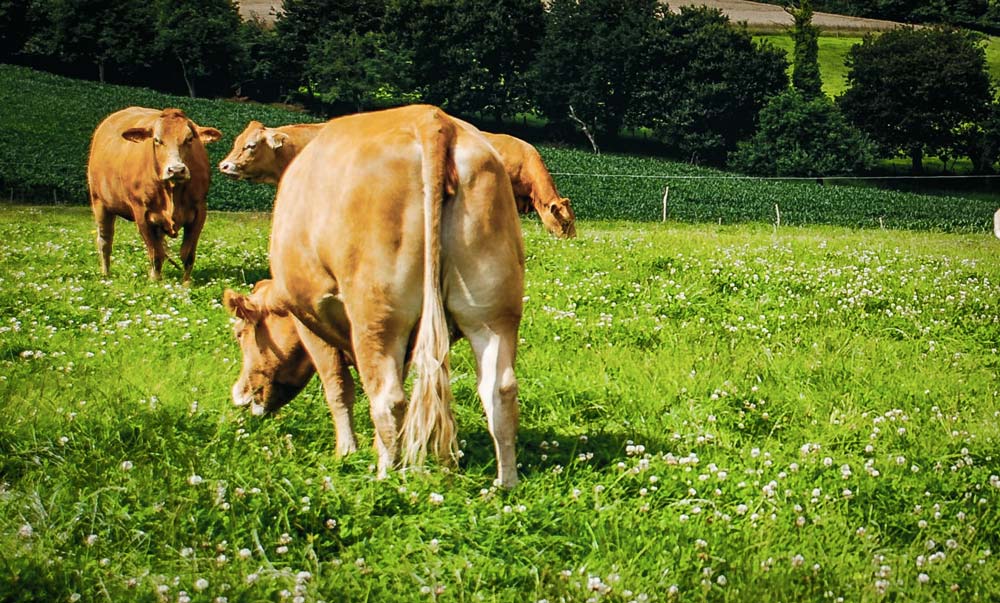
column 251, row 146
column 158, row 141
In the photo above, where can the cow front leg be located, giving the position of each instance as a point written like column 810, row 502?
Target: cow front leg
column 152, row 235
column 338, row 385
column 192, row 232
column 105, row 236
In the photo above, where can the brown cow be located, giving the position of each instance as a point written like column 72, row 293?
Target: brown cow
column 533, row 185
column 261, row 154
column 150, row 166
column 388, row 228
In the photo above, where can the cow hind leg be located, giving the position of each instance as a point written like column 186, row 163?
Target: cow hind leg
column 495, row 348
column 381, row 370
column 105, row 236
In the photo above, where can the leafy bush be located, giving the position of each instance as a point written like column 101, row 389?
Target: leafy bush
column 801, row 137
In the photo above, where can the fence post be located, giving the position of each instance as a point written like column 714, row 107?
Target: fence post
column 666, row 193
column 777, row 217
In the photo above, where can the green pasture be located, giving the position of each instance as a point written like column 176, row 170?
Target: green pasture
column 833, row 50
column 709, row 413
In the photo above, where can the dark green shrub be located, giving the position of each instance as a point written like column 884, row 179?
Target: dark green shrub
column 801, row 137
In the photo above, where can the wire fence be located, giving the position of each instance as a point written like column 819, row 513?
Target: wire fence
column 647, row 194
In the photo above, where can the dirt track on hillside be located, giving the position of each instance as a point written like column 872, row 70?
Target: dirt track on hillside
column 758, row 16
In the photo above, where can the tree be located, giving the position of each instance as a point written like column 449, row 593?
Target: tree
column 201, row 37
column 93, row 31
column 803, row 136
column 805, row 68
column 980, row 141
column 466, row 55
column 590, row 59
column 311, row 32
column 702, row 82
column 259, row 76
column 14, row 28
column 912, row 89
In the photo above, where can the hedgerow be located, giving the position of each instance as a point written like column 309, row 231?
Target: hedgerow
column 47, row 121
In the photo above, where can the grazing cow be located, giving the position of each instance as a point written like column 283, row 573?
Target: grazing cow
column 261, row 154
column 387, row 230
column 533, row 185
column 150, row 166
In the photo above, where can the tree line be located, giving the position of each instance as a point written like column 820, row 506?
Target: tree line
column 590, row 68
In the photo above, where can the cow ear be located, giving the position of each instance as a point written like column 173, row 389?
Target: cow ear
column 137, row 134
column 208, row 135
column 241, row 306
column 268, row 299
column 276, row 139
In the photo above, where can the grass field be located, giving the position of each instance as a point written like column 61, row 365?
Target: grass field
column 709, row 413
column 833, row 50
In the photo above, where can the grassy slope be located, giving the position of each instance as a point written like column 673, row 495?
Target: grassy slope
column 49, row 119
column 816, row 409
column 833, row 50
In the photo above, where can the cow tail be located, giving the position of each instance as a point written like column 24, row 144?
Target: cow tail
column 429, row 420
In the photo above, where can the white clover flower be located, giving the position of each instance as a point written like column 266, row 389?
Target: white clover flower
column 245, row 553
column 90, row 540
column 200, row 584
column 195, row 479
column 436, row 499
column 798, row 560
column 127, row 465
column 26, row 531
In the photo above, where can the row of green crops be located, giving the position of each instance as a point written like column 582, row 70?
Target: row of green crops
column 47, row 122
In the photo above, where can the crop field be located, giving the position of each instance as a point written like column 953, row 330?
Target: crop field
column 709, row 413
column 48, row 120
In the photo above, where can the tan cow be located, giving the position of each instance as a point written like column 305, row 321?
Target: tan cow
column 389, row 228
column 150, row 166
column 533, row 185
column 261, row 154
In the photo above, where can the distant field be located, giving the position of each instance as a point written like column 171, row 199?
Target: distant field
column 50, row 120
column 833, row 50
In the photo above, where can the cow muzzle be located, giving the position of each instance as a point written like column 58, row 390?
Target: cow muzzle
column 229, row 169
column 176, row 172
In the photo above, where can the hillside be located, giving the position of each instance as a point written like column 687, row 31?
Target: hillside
column 759, row 17
column 49, row 120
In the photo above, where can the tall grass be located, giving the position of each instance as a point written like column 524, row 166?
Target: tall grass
column 711, row 413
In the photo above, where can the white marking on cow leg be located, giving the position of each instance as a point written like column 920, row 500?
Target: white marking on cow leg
column 497, row 389
column 387, row 409
column 340, row 400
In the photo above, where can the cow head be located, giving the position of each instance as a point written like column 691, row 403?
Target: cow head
column 176, row 140
column 275, row 364
column 253, row 155
column 558, row 217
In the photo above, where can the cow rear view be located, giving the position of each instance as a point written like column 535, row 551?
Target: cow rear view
column 150, row 166
column 388, row 228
